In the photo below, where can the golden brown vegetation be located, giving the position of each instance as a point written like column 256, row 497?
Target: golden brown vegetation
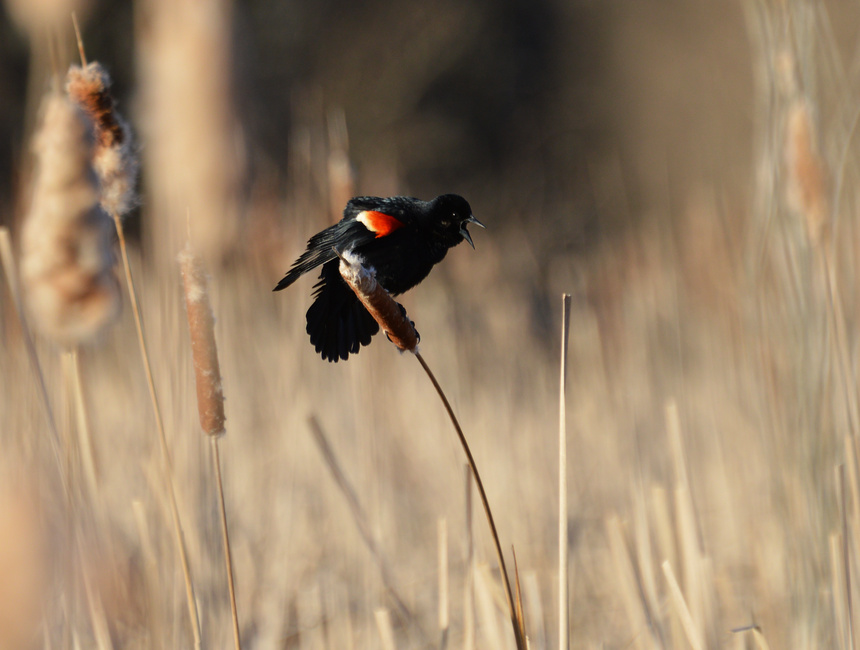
column 713, row 480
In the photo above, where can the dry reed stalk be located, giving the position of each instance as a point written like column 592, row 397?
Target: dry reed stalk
column 442, row 545
column 563, row 551
column 66, row 258
column 846, row 554
column 386, row 632
column 486, row 608
column 360, row 519
column 694, row 633
column 469, row 586
column 400, row 331
column 837, row 590
column 635, row 608
column 85, row 440
column 688, row 535
column 537, row 637
column 8, row 262
column 210, row 394
column 195, row 156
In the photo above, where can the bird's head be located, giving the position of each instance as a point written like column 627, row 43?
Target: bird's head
column 452, row 214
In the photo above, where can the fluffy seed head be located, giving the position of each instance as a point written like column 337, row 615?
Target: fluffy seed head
column 113, row 157
column 66, row 257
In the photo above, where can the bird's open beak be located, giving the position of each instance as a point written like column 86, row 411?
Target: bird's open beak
column 465, row 232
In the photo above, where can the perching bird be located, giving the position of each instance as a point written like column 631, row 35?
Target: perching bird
column 400, row 237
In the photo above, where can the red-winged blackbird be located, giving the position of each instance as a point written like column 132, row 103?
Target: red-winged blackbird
column 400, row 237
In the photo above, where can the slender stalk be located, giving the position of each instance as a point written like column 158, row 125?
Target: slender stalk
column 225, row 536
column 846, row 555
column 7, row 259
column 162, row 438
column 360, row 519
column 519, row 634
column 563, row 556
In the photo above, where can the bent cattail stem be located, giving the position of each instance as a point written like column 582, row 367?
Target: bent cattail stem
column 201, row 324
column 807, row 175
column 66, row 257
column 113, row 157
column 378, row 302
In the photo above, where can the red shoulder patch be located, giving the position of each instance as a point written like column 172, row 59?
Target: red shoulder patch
column 378, row 222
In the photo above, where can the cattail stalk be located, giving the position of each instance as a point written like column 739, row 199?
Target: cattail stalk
column 116, row 165
column 400, row 331
column 210, row 395
column 563, row 552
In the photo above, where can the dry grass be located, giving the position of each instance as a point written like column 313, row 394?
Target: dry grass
column 712, row 465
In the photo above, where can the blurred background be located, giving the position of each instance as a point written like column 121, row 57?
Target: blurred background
column 685, row 169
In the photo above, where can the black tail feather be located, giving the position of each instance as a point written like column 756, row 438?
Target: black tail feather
column 337, row 322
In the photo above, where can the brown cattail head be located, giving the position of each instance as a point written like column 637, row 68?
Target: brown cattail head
column 378, row 302
column 66, row 256
column 807, row 174
column 113, row 156
column 201, row 325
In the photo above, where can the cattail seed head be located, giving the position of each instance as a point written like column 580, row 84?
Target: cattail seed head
column 378, row 302
column 66, row 256
column 204, row 352
column 113, row 156
column 807, row 174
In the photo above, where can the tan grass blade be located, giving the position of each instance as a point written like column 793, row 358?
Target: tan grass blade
column 694, row 635
column 85, row 440
column 469, row 586
column 9, row 269
column 563, row 550
column 359, row 518
column 442, row 545
column 628, row 586
column 837, row 577
column 386, row 632
column 688, row 534
column 486, row 609
column 846, row 556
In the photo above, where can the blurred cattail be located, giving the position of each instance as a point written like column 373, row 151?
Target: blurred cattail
column 341, row 178
column 24, row 563
column 113, row 157
column 201, row 324
column 807, row 175
column 379, row 303
column 66, row 258
column 39, row 16
column 195, row 153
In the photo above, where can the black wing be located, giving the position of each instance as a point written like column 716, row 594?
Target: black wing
column 321, row 248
